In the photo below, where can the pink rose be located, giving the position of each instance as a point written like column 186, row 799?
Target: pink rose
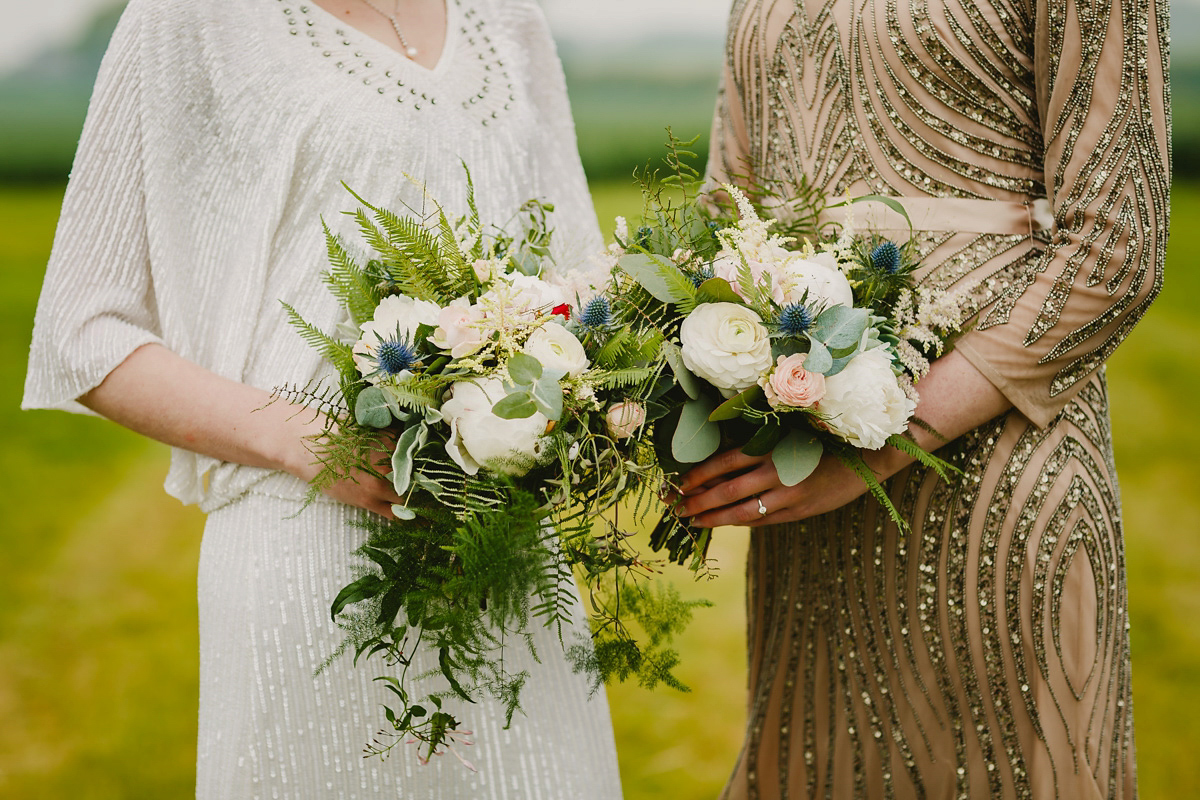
column 792, row 385
column 458, row 328
column 729, row 265
column 625, row 418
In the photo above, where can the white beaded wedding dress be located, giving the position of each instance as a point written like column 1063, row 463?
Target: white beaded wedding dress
column 218, row 138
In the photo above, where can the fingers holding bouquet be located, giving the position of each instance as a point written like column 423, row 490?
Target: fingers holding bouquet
column 720, row 492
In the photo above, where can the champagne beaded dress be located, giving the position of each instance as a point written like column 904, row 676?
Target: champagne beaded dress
column 217, row 140
column 985, row 653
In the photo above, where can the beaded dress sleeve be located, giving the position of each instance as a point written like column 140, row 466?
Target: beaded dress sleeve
column 98, row 305
column 1105, row 110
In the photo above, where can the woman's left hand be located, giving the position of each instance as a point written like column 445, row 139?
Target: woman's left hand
column 728, row 488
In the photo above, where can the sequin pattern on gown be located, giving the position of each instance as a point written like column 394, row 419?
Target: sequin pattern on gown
column 985, row 653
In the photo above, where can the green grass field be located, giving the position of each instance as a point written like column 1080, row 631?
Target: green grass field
column 97, row 576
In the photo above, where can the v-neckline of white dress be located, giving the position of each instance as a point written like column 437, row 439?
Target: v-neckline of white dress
column 365, row 40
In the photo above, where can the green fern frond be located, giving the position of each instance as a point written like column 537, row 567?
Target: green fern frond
column 348, row 281
column 339, row 353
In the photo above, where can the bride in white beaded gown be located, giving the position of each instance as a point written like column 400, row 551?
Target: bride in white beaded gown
column 218, row 137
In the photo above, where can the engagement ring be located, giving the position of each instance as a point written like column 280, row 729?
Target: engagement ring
column 762, row 509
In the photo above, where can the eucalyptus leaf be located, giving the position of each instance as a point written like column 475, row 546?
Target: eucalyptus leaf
column 796, row 456
column 524, row 369
column 648, row 270
column 840, row 327
column 733, row 407
column 719, row 290
column 403, row 512
column 371, row 408
column 763, row 440
column 412, row 440
column 687, row 381
column 696, row 437
column 548, row 395
column 819, row 359
column 518, row 405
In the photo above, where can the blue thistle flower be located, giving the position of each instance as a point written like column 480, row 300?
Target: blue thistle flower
column 597, row 314
column 795, row 319
column 395, row 356
column 642, row 237
column 714, row 228
column 701, row 275
column 886, row 258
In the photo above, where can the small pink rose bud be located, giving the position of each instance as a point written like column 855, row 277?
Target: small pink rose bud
column 625, row 418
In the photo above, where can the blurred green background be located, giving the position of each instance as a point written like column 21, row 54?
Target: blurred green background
column 98, row 649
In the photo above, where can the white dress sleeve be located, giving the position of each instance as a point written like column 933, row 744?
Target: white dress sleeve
column 97, row 303
column 557, row 167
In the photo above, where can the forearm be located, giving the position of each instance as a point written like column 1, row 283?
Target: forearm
column 955, row 398
column 166, row 397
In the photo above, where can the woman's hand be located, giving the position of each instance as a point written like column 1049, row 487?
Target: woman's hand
column 360, row 489
column 728, row 488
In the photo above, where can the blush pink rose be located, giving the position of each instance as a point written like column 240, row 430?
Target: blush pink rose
column 790, row 384
column 625, row 418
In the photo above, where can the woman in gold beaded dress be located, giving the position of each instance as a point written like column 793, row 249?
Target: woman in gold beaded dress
column 984, row 653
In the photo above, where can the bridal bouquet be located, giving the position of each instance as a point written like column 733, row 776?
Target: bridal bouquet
column 778, row 347
column 503, row 404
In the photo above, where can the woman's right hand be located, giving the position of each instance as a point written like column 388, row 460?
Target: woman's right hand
column 360, row 488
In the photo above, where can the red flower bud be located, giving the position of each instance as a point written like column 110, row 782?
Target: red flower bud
column 563, row 311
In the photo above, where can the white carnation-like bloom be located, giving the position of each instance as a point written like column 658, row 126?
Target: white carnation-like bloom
column 481, row 440
column 557, row 349
column 864, row 403
column 825, row 283
column 726, row 345
column 396, row 316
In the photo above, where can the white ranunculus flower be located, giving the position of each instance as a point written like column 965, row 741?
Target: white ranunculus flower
column 480, row 439
column 726, row 345
column 396, row 313
column 557, row 349
column 864, row 403
column 825, row 284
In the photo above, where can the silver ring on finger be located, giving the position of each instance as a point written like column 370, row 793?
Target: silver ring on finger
column 762, row 508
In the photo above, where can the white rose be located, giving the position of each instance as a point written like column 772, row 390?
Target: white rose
column 480, row 439
column 726, row 345
column 625, row 418
column 864, row 403
column 459, row 330
column 397, row 315
column 825, row 284
column 557, row 349
column 530, row 294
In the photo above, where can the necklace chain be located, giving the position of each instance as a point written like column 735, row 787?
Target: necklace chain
column 409, row 50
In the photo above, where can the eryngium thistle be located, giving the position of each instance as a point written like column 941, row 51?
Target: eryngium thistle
column 395, row 356
column 795, row 319
column 701, row 275
column 597, row 314
column 886, row 258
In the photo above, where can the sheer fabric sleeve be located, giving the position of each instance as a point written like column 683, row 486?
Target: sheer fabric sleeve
column 97, row 303
column 557, row 167
column 1104, row 101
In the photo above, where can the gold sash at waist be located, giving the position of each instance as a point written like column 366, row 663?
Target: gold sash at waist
column 948, row 215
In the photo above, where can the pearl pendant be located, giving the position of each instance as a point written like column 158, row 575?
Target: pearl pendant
column 411, row 52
